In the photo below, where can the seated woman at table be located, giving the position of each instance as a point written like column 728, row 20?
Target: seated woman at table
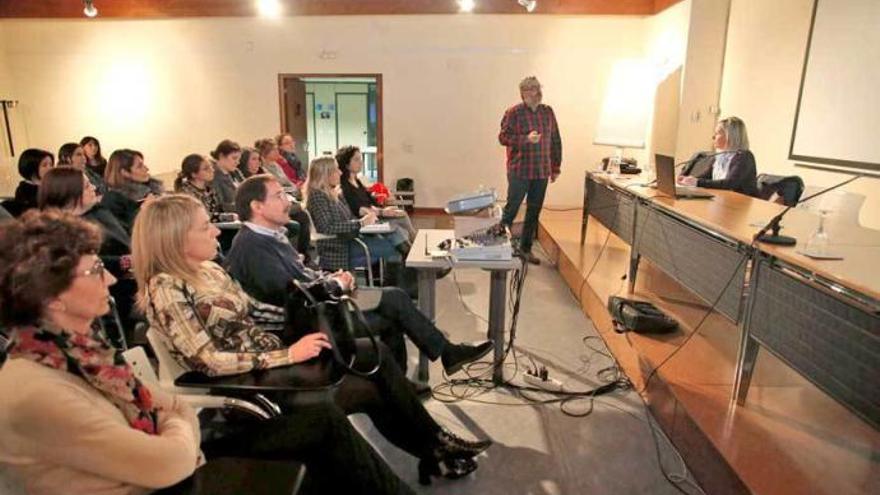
column 359, row 200
column 129, row 185
column 68, row 189
column 732, row 166
column 205, row 316
column 332, row 216
column 195, row 177
column 74, row 419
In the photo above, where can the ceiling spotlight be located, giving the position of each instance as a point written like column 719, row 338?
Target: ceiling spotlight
column 529, row 5
column 466, row 5
column 269, row 8
column 89, row 8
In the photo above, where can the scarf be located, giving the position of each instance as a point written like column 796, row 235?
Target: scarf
column 92, row 358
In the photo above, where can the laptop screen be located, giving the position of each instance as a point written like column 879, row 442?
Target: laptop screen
column 665, row 174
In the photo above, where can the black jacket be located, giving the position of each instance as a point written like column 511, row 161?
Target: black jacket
column 741, row 176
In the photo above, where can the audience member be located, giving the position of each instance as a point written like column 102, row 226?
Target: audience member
column 94, row 159
column 74, row 419
column 269, row 154
column 195, row 178
column 731, row 167
column 205, row 316
column 287, row 151
column 332, row 216
column 72, row 155
column 250, row 163
column 359, row 200
column 128, row 185
column 263, row 262
column 67, row 189
column 227, row 177
column 32, row 166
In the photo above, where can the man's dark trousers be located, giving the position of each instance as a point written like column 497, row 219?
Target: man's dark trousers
column 533, row 191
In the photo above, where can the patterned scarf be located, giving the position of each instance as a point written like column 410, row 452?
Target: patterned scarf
column 94, row 359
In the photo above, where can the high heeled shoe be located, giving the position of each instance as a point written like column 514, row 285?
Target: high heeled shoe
column 448, row 468
column 450, row 445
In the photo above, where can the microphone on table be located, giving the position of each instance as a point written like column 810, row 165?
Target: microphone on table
column 773, row 225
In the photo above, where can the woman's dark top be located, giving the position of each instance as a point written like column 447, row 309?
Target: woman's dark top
column 26, row 196
column 97, row 166
column 357, row 196
column 116, row 242
column 125, row 202
column 741, row 176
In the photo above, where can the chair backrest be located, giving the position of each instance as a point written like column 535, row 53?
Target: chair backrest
column 315, row 235
column 169, row 368
column 840, row 205
column 11, row 207
column 788, row 187
column 136, row 357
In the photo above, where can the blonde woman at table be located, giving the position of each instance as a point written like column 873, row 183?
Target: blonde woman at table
column 731, row 167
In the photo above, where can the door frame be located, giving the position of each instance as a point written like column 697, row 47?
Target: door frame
column 380, row 145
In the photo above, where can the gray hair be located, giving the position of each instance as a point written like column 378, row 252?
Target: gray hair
column 735, row 130
column 529, row 82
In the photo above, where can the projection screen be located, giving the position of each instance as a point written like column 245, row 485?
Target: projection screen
column 838, row 113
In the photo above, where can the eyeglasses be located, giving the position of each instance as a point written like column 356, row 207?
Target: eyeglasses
column 96, row 270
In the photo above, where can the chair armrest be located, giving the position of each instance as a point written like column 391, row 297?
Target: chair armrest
column 268, row 411
column 315, row 375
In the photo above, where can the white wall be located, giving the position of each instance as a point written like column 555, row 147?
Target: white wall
column 8, row 169
column 171, row 87
column 763, row 63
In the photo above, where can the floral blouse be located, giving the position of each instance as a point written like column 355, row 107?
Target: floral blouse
column 207, row 196
column 213, row 328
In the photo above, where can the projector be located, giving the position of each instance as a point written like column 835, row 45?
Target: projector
column 470, row 202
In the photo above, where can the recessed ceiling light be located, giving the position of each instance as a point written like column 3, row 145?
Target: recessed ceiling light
column 529, row 4
column 89, row 8
column 269, row 8
column 466, row 5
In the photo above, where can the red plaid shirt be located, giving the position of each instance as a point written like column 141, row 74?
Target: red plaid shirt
column 524, row 159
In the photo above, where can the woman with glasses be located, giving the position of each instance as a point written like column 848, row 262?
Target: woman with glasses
column 74, row 419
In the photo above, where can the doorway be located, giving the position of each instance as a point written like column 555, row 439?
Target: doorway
column 324, row 112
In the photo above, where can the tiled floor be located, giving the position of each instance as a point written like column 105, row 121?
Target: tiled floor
column 538, row 448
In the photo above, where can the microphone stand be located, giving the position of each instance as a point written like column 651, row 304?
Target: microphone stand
column 773, row 225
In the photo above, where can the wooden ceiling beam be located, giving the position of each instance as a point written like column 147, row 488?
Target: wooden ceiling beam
column 142, row 9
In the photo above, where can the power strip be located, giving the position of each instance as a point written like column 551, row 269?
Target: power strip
column 548, row 384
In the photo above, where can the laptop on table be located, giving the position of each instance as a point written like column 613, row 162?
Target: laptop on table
column 666, row 181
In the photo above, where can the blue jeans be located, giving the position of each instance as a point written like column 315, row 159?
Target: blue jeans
column 380, row 247
column 533, row 191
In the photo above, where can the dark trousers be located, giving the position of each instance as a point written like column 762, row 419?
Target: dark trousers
column 396, row 316
column 337, row 458
column 533, row 191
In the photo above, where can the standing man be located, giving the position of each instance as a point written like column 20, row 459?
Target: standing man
column 534, row 154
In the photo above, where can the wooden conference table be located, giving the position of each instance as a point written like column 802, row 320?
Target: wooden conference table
column 821, row 317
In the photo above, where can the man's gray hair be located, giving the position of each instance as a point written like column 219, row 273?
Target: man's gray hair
column 529, row 82
column 735, row 130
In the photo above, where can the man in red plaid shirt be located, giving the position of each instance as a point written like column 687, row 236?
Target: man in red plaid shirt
column 534, row 154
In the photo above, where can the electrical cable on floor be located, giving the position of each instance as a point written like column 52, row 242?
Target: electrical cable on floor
column 699, row 324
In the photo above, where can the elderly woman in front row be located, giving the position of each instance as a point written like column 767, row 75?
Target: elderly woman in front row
column 73, row 418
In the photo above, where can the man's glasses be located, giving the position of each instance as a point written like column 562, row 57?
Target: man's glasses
column 96, row 270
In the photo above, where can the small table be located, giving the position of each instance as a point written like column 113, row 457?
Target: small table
column 427, row 268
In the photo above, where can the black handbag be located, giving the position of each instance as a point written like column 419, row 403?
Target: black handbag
column 316, row 306
column 639, row 316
